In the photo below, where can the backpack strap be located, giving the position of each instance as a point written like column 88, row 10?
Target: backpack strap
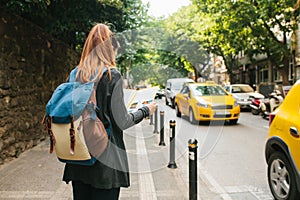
column 48, row 125
column 72, row 136
column 72, row 76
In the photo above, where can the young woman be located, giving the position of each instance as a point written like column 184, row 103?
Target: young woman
column 110, row 172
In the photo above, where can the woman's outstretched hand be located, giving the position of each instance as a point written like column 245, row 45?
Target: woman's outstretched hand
column 152, row 107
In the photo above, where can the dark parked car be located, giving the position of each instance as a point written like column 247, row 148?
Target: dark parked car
column 159, row 94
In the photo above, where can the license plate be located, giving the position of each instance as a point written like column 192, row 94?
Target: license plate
column 222, row 113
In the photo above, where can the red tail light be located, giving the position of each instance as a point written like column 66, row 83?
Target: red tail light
column 271, row 117
column 256, row 102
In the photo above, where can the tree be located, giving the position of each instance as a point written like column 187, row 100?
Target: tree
column 152, row 45
column 70, row 20
column 268, row 26
column 189, row 25
column 214, row 32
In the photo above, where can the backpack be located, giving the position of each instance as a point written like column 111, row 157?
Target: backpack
column 76, row 133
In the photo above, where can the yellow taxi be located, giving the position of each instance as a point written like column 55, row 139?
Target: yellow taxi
column 205, row 102
column 282, row 149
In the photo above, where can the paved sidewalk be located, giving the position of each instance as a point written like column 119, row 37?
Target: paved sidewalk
column 36, row 174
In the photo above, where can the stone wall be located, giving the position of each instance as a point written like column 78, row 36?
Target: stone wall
column 32, row 64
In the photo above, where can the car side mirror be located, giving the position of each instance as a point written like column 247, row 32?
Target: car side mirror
column 186, row 96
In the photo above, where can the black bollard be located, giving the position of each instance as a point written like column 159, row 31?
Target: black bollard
column 155, row 121
column 172, row 163
column 193, row 169
column 162, row 132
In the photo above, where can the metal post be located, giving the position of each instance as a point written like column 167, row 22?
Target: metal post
column 151, row 119
column 162, row 135
column 193, row 169
column 155, row 121
column 172, row 163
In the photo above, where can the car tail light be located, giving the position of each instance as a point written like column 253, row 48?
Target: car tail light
column 271, row 117
column 256, row 102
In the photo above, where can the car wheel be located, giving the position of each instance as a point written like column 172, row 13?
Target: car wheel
column 254, row 111
column 192, row 117
column 281, row 178
column 178, row 113
column 233, row 121
column 167, row 103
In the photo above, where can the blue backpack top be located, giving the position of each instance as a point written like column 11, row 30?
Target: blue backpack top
column 69, row 99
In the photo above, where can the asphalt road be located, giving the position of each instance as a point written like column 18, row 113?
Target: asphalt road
column 231, row 157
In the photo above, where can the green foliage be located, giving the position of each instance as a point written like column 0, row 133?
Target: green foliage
column 154, row 74
column 149, row 50
column 70, row 20
column 256, row 26
column 149, row 45
column 187, row 27
column 135, row 14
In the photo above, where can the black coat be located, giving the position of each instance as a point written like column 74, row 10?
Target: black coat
column 111, row 170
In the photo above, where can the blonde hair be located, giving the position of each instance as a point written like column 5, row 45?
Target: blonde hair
column 98, row 52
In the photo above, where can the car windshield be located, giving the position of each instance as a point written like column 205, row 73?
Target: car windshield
column 242, row 89
column 177, row 85
column 208, row 90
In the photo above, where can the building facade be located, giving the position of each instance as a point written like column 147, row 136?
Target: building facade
column 262, row 72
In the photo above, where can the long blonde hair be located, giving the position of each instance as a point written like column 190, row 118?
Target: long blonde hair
column 98, row 52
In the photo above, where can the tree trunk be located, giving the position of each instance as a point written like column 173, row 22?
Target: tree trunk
column 270, row 72
column 196, row 74
column 284, row 71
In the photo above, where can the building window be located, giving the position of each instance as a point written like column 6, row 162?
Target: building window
column 264, row 74
column 277, row 75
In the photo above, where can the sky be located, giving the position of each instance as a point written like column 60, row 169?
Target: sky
column 160, row 8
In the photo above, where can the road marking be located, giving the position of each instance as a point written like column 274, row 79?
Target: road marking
column 146, row 183
column 207, row 179
column 266, row 127
column 256, row 192
column 212, row 184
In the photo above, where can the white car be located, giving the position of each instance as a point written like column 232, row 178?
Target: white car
column 173, row 86
column 244, row 94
